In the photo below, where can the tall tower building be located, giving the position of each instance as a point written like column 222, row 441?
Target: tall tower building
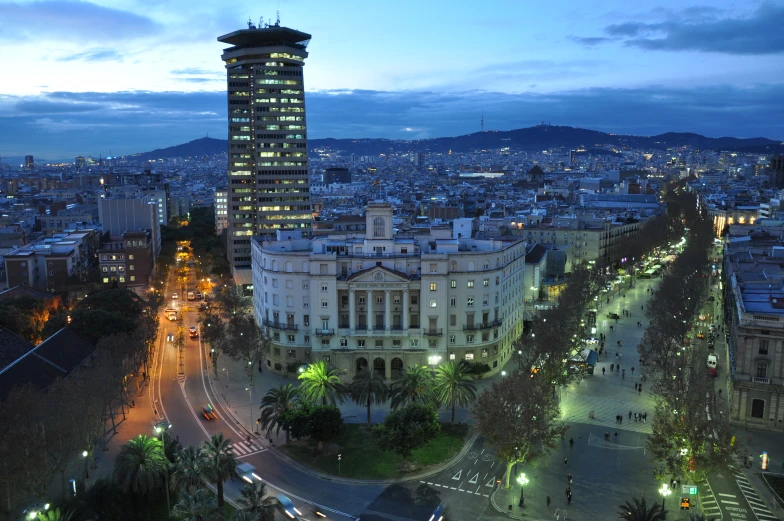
column 29, row 163
column 268, row 183
column 79, row 162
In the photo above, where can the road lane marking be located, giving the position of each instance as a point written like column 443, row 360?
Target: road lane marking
column 728, row 502
column 726, row 495
column 474, row 479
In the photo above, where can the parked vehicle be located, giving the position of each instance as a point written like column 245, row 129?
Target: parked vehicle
column 191, row 295
column 172, row 316
column 713, row 365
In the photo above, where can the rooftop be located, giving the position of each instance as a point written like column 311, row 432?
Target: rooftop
column 266, row 36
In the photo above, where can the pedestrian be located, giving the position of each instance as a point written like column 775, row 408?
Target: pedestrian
column 606, row 436
column 548, row 501
column 623, row 375
column 635, row 387
column 569, row 477
column 616, row 436
column 603, row 370
column 133, row 403
column 632, row 370
column 569, row 498
column 621, row 420
column 144, row 375
column 566, row 460
column 612, row 367
column 645, row 417
column 619, row 369
column 642, row 307
column 616, row 418
column 719, row 393
column 635, row 417
column 571, row 442
column 630, row 414
column 639, row 389
column 616, row 353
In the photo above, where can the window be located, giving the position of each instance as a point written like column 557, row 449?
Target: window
column 305, row 302
column 324, row 303
column 757, row 408
column 762, row 370
column 434, row 268
column 414, row 300
column 763, row 347
column 432, row 343
column 325, row 343
column 133, row 278
column 469, row 339
column 379, row 344
column 470, row 284
column 276, row 337
column 470, row 301
column 274, row 283
column 289, row 301
column 469, row 356
column 360, row 343
column 122, row 279
column 433, row 303
column 433, row 286
column 274, row 299
column 130, row 257
column 452, row 320
column 290, row 338
column 323, row 269
column 324, row 287
column 452, row 339
column 305, row 284
column 361, row 301
column 305, row 320
column 290, row 284
column 131, row 267
column 413, row 342
column 344, row 342
column 451, row 356
column 486, row 282
column 396, row 299
column 307, row 339
column 276, row 351
column 396, row 343
column 106, row 280
column 379, row 300
column 291, row 353
column 453, row 284
column 378, row 227
column 484, row 353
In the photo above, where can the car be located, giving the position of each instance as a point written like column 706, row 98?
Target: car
column 712, row 328
column 287, row 507
column 700, row 334
column 439, row 513
column 591, row 340
column 209, row 413
column 193, row 332
column 175, row 296
column 701, row 317
column 170, row 337
column 616, row 316
column 199, row 296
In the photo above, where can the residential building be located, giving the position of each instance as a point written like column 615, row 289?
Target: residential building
column 127, row 260
column 119, row 215
column 388, row 301
column 221, row 210
column 268, row 180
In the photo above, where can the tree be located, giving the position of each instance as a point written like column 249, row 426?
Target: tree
column 195, row 504
column 321, row 384
column 413, row 386
column 255, row 501
column 245, row 341
column 187, row 469
column 140, row 468
column 453, row 386
column 275, row 406
column 326, row 422
column 55, row 515
column 640, row 511
column 219, row 462
column 214, row 333
column 407, row 429
column 518, row 416
column 232, row 301
column 368, row 388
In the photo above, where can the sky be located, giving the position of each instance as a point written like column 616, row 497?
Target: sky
column 126, row 76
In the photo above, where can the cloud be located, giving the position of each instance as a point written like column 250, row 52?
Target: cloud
column 60, row 125
column 196, row 71
column 703, row 29
column 94, row 55
column 76, row 21
column 590, row 41
column 196, row 80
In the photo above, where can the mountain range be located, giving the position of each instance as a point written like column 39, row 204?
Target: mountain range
column 540, row 137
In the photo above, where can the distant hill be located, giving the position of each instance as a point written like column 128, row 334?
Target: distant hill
column 540, row 137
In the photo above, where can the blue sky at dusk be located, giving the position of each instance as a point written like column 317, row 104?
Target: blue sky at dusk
column 83, row 77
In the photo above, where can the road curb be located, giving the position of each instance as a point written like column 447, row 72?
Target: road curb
column 499, row 509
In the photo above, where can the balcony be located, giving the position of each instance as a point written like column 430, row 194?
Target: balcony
column 758, row 380
column 433, row 332
column 477, row 327
column 325, row 332
column 281, row 326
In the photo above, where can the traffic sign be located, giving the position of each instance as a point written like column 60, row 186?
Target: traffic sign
column 689, row 489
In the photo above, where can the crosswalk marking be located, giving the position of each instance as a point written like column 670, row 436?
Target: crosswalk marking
column 242, row 448
column 758, row 507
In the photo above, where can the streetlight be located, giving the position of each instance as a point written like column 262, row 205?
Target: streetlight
column 161, row 428
column 664, row 491
column 523, row 482
column 250, row 405
column 86, row 472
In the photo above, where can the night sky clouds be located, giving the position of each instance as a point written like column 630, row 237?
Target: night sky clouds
column 132, row 76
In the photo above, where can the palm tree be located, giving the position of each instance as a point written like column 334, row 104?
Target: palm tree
column 195, row 504
column 413, row 386
column 321, row 384
column 368, row 387
column 241, row 515
column 256, row 502
column 640, row 511
column 140, row 468
column 187, row 469
column 453, row 386
column 275, row 405
column 219, row 464
column 55, row 515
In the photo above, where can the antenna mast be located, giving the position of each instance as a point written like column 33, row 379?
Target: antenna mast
column 483, row 121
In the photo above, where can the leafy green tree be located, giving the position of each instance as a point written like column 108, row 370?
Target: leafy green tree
column 275, row 406
column 255, row 501
column 219, row 462
column 140, row 469
column 453, row 386
column 368, row 388
column 195, row 504
column 641, row 511
column 321, row 384
column 414, row 385
column 232, row 301
column 187, row 469
column 318, row 422
column 407, row 429
column 55, row 515
column 519, row 417
column 245, row 341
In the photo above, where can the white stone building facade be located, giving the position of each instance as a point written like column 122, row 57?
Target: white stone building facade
column 388, row 302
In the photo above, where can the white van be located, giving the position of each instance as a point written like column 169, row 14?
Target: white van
column 191, row 296
column 713, row 363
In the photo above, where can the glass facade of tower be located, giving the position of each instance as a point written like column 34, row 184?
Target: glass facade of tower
column 269, row 187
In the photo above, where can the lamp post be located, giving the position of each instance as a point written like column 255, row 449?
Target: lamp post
column 86, row 460
column 250, row 405
column 523, row 482
column 664, row 491
column 161, row 428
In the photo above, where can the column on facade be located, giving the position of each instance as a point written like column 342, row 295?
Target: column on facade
column 370, row 317
column 352, row 310
column 405, row 310
column 387, row 310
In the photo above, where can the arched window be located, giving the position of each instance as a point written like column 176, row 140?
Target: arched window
column 289, row 267
column 274, row 265
column 378, row 227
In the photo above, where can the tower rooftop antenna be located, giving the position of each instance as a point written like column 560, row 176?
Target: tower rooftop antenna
column 277, row 20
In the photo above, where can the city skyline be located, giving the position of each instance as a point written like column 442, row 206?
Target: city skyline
column 133, row 77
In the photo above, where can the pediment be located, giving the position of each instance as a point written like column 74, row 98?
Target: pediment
column 379, row 275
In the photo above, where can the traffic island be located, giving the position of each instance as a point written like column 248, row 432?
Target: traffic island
column 355, row 454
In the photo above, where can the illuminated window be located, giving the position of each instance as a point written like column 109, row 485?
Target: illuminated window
column 433, row 286
column 378, row 227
